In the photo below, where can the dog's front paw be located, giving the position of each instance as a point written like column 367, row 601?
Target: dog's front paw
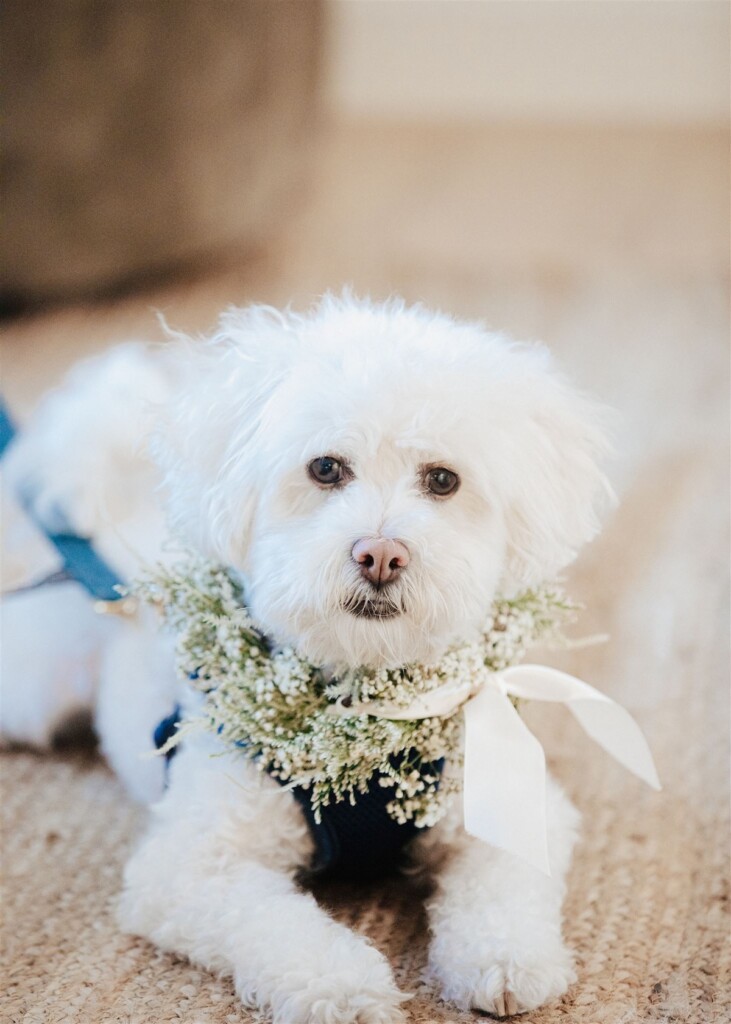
column 358, row 991
column 504, row 984
column 332, row 1004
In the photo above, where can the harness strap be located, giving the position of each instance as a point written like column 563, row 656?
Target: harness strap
column 81, row 562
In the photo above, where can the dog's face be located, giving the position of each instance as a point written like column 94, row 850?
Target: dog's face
column 378, row 474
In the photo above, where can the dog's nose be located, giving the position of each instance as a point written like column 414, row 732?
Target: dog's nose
column 380, row 559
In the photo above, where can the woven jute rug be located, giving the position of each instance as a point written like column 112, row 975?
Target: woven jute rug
column 640, row 318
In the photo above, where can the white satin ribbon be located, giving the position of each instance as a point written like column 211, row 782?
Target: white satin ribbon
column 504, row 764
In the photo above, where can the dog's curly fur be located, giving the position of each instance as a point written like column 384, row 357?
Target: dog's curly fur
column 234, row 422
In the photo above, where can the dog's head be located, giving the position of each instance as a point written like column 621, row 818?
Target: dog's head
column 378, row 473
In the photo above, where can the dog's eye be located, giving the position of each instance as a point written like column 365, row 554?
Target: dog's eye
column 441, row 482
column 327, row 470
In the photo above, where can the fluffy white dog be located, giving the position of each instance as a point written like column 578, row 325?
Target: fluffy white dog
column 377, row 474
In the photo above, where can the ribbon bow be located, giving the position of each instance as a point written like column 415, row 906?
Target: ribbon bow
column 504, row 764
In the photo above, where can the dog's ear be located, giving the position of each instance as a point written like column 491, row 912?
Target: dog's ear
column 209, row 442
column 556, row 490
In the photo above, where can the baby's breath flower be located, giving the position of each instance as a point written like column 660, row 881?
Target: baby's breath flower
column 276, row 708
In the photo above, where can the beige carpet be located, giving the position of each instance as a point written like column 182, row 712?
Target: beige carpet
column 613, row 247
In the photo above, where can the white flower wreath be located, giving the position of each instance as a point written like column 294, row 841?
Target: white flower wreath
column 292, row 719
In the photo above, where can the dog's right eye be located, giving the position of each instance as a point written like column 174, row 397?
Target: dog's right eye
column 327, row 471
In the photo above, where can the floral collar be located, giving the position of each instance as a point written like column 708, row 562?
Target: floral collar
column 333, row 735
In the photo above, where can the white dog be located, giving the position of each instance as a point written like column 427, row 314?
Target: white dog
column 360, row 451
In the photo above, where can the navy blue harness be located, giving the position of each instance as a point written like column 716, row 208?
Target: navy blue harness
column 357, row 841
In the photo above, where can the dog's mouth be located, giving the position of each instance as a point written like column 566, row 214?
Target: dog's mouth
column 376, row 607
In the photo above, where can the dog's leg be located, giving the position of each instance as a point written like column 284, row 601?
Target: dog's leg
column 496, row 922
column 137, row 690
column 214, row 880
column 50, row 647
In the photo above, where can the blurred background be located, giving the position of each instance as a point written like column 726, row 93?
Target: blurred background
column 559, row 170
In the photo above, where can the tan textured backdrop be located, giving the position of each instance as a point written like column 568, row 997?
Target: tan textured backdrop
column 142, row 137
column 613, row 247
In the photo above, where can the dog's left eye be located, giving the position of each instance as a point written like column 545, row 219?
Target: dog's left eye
column 327, row 470
column 440, row 481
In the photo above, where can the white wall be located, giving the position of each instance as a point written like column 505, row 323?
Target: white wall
column 622, row 60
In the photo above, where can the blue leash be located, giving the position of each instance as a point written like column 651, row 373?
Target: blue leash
column 81, row 562
column 7, row 431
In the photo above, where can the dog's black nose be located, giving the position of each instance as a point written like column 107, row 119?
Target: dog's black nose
column 380, row 559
